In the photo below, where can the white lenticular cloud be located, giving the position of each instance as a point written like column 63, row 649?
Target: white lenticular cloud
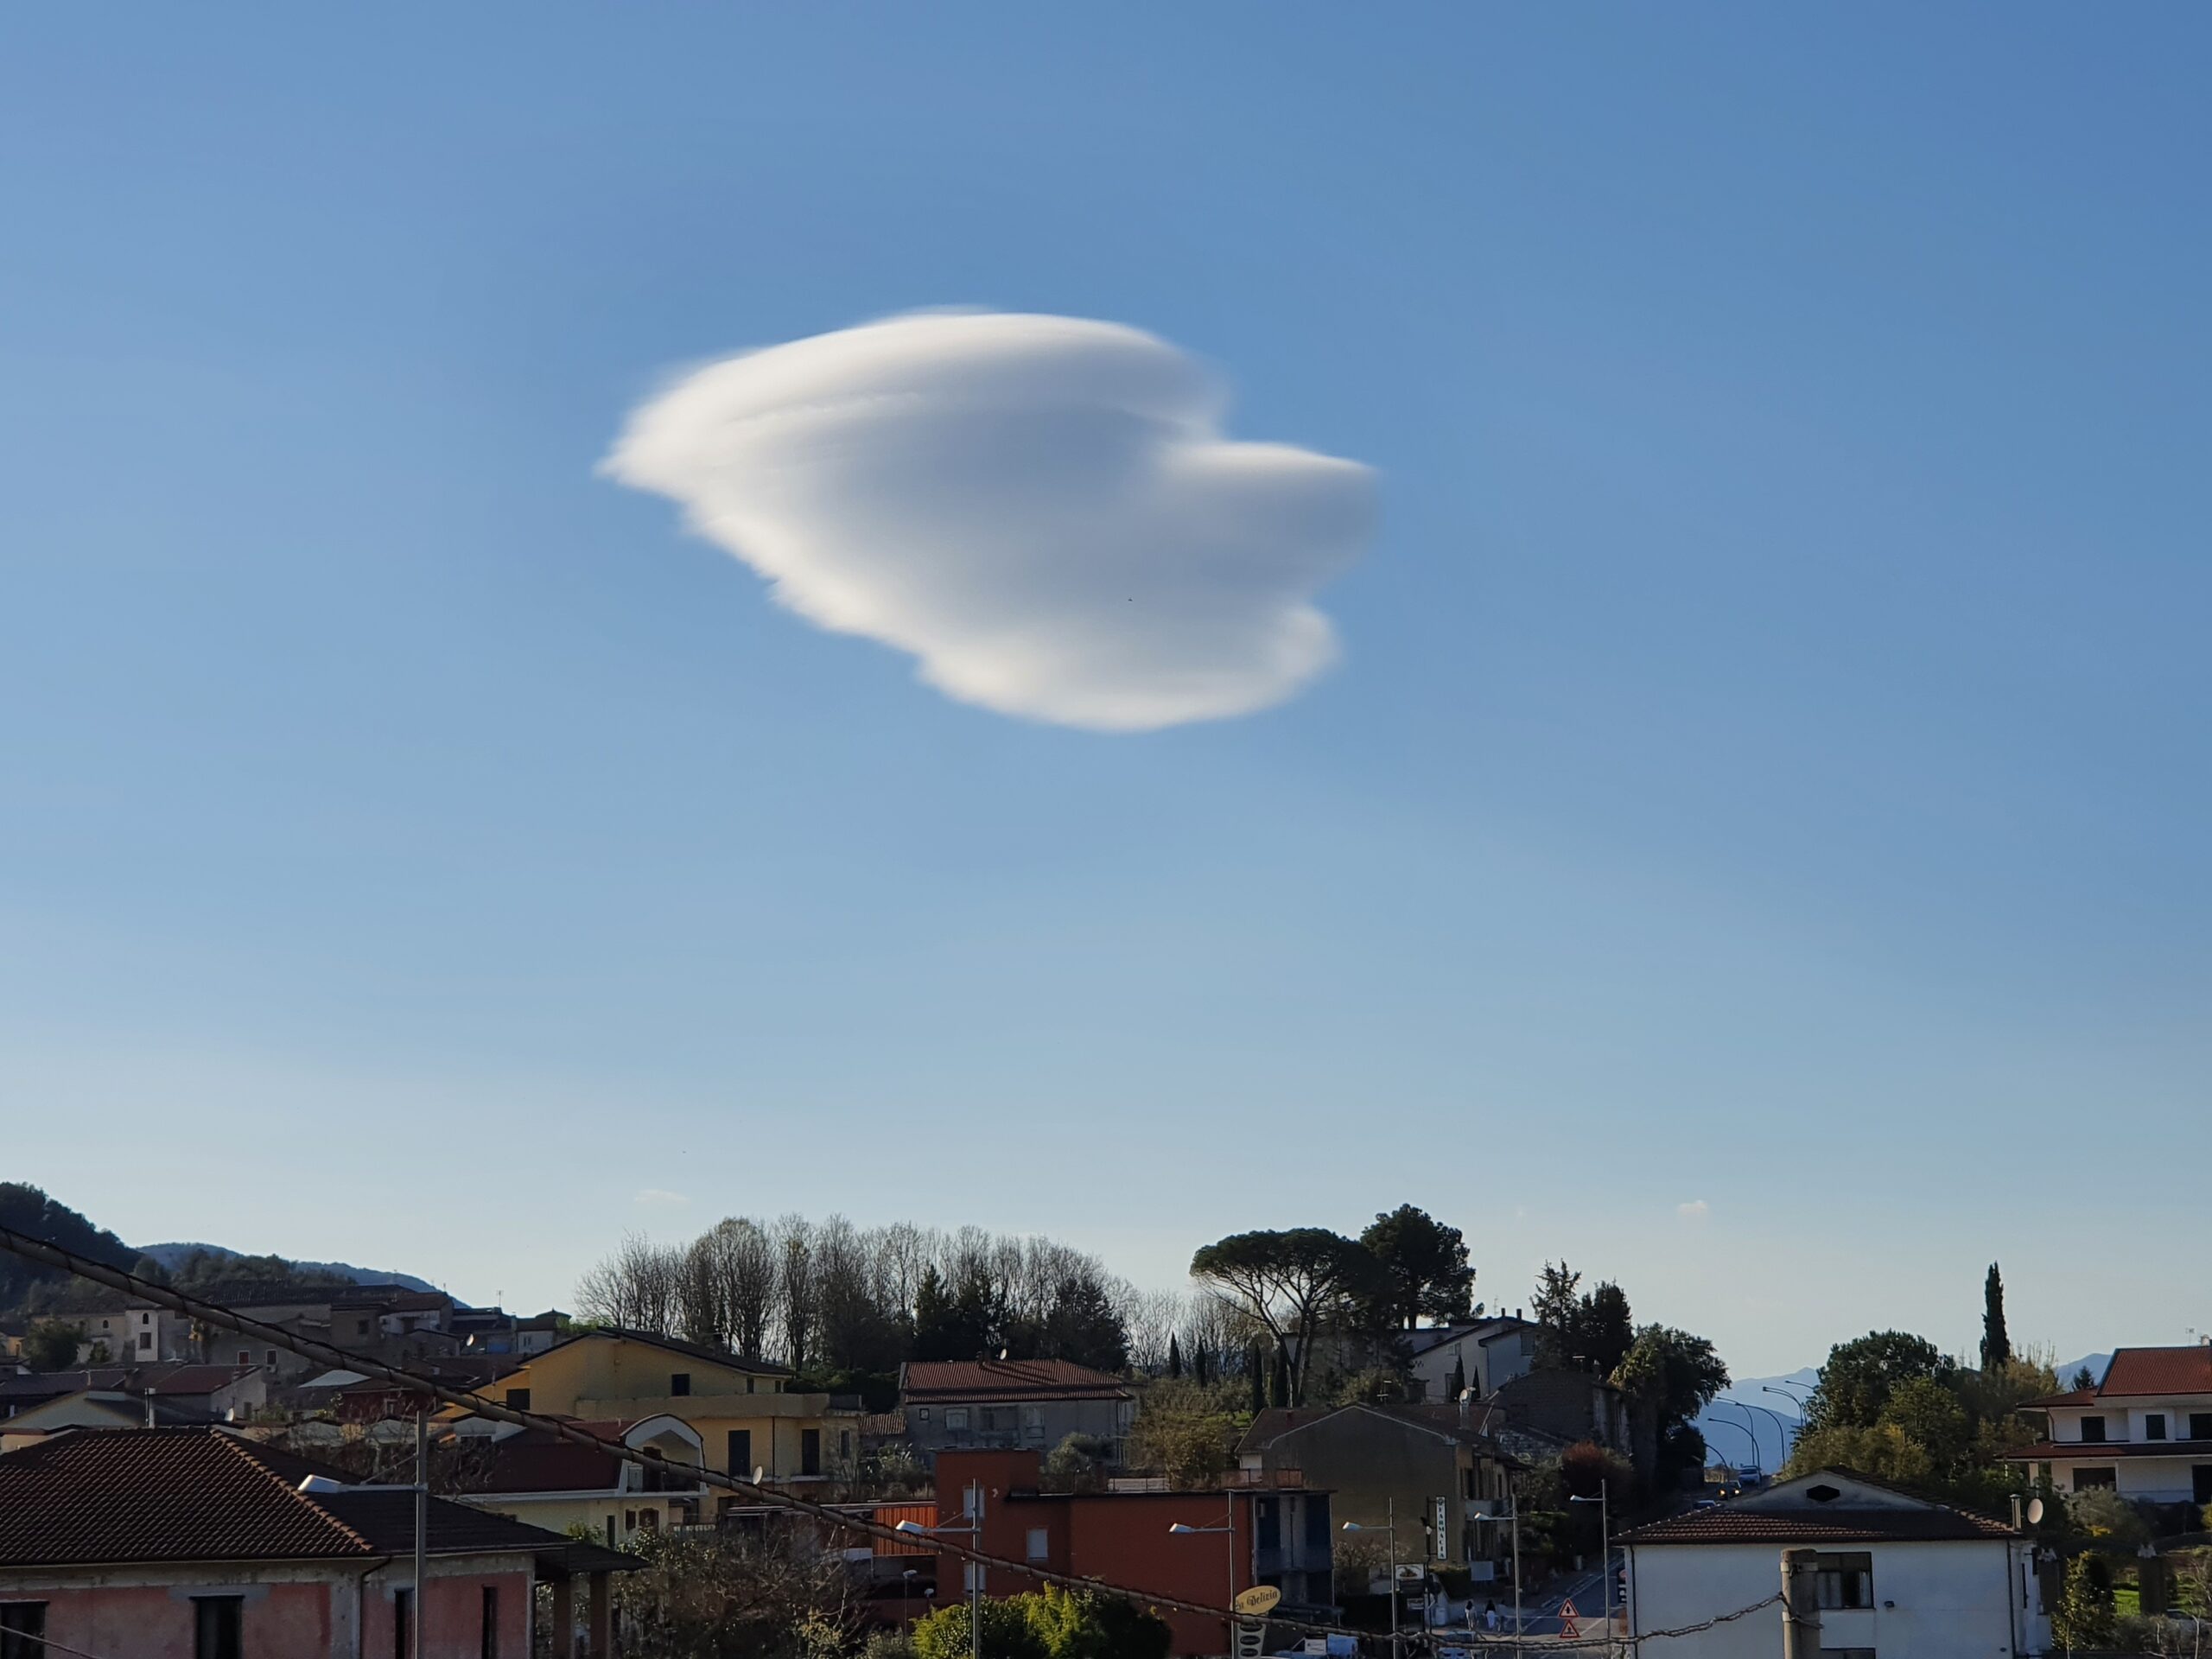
column 1041, row 510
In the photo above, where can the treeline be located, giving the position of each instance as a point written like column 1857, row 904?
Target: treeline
column 828, row 1298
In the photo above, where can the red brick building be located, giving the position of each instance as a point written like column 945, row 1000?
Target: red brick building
column 1276, row 1533
column 195, row 1543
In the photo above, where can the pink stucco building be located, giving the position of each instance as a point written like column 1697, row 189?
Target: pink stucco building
column 197, row 1543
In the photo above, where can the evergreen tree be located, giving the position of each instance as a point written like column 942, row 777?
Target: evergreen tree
column 1996, row 1344
column 1458, row 1377
column 1202, row 1368
column 1174, row 1355
column 1279, row 1381
column 1255, row 1369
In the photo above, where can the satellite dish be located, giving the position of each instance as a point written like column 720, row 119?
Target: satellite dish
column 2035, row 1511
column 1258, row 1601
column 760, row 1475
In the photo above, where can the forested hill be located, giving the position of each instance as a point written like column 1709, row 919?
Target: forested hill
column 27, row 1285
column 27, row 1290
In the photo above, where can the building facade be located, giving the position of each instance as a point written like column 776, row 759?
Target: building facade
column 1009, row 1405
column 199, row 1544
column 1900, row 1577
column 1428, row 1475
column 2145, row 1430
column 745, row 1414
column 1234, row 1537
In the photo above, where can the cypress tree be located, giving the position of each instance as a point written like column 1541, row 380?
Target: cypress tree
column 1174, row 1355
column 1255, row 1369
column 1996, row 1344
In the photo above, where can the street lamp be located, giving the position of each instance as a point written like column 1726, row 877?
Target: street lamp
column 1227, row 1530
column 1604, row 1546
column 1758, row 1458
column 973, row 1529
column 1390, row 1526
column 1512, row 1518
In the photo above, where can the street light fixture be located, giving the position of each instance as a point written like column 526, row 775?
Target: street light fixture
column 1228, row 1530
column 974, row 1572
column 1604, row 1546
column 1390, row 1526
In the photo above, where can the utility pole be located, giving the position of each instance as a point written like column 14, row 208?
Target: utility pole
column 421, row 1523
column 975, row 1574
column 1801, row 1604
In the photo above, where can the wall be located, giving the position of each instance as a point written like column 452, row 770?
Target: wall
column 1121, row 1537
column 1106, row 1419
column 1952, row 1600
column 297, row 1611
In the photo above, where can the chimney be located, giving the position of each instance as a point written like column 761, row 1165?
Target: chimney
column 149, row 1407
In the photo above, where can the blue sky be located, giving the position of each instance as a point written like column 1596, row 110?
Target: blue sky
column 1754, row 842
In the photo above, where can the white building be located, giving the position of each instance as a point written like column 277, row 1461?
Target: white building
column 1901, row 1577
column 2146, row 1430
column 1482, row 1353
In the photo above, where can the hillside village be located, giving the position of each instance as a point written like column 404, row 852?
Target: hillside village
column 1334, row 1427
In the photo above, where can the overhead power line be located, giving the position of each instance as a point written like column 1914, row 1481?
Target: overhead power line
column 214, row 1314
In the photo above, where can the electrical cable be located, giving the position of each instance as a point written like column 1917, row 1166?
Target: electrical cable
column 214, row 1313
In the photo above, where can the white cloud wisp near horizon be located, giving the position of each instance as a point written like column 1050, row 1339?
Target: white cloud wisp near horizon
column 1042, row 511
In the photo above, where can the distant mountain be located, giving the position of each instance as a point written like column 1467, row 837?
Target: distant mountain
column 2096, row 1363
column 173, row 1256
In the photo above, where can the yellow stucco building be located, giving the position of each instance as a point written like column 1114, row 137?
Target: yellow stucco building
column 694, row 1406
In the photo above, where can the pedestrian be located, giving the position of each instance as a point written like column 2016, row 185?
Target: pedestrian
column 1490, row 1614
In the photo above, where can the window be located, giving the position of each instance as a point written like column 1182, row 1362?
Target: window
column 1845, row 1579
column 1267, row 1517
column 403, row 1624
column 2200, row 1484
column 845, row 1444
column 518, row 1399
column 740, row 1453
column 145, row 1342
column 2092, row 1430
column 22, row 1629
column 679, row 1384
column 809, row 1450
column 487, row 1644
column 215, row 1627
column 956, row 1416
column 270, row 1358
column 1040, row 1544
column 2200, row 1425
column 1317, row 1521
column 2090, row 1479
column 245, row 1357
column 923, row 1413
column 2154, row 1425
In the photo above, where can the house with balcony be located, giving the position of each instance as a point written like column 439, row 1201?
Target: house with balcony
column 746, row 1413
column 2145, row 1430
column 1432, row 1473
column 1009, row 1404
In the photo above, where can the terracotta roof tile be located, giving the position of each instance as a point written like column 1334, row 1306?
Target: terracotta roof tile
column 1725, row 1523
column 2159, row 1370
column 99, row 1496
column 936, row 1380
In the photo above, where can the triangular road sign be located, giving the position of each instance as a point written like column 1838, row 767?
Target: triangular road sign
column 1569, row 1621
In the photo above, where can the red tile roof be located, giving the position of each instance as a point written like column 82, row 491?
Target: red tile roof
column 954, row 1380
column 2159, row 1370
column 101, row 1496
column 1725, row 1523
